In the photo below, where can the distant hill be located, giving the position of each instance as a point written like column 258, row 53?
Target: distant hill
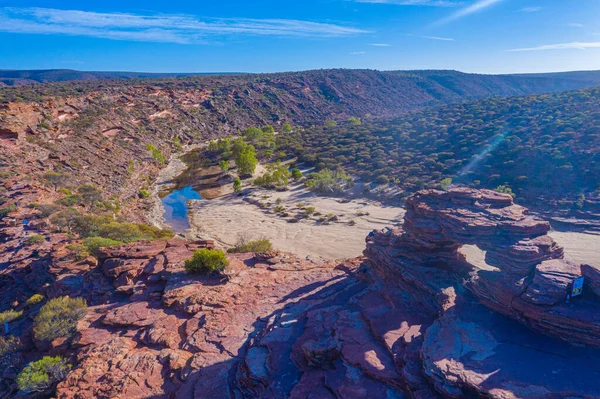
column 300, row 96
column 21, row 77
column 583, row 76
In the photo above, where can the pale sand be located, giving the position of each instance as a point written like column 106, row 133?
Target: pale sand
column 579, row 248
column 225, row 218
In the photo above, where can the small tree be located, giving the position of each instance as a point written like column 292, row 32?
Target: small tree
column 56, row 179
column 445, row 183
column 354, row 120
column 286, row 128
column 246, row 161
column 237, row 185
column 90, row 195
column 296, row 174
column 43, row 374
column 65, row 220
column 224, row 166
column 207, row 261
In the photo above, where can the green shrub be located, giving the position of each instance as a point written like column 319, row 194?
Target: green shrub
column 277, row 176
column 144, row 193
column 445, row 183
column 328, row 181
column 93, row 244
column 286, row 128
column 43, row 374
column 257, row 246
column 505, row 190
column 237, row 185
column 224, row 165
column 382, row 179
column 296, row 174
column 47, row 210
column 309, row 210
column 9, row 315
column 58, row 318
column 35, row 239
column 70, row 200
column 9, row 344
column 107, row 227
column 156, row 154
column 7, row 209
column 90, row 195
column 78, row 251
column 207, row 261
column 34, row 299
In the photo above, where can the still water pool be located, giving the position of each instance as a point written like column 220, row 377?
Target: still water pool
column 176, row 208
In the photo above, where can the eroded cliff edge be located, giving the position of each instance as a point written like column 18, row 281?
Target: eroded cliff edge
column 412, row 318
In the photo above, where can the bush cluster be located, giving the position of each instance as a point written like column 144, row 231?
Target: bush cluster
column 58, row 318
column 256, row 246
column 207, row 261
column 41, row 375
column 329, row 181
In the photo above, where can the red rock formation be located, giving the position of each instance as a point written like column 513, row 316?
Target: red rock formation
column 412, row 319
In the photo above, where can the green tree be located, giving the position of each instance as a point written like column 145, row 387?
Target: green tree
column 224, row 166
column 246, row 161
column 237, row 185
column 354, row 120
column 56, row 179
column 286, row 128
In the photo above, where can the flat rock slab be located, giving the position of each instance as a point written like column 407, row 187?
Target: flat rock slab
column 474, row 348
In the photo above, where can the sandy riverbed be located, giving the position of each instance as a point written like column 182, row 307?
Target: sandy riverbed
column 226, row 218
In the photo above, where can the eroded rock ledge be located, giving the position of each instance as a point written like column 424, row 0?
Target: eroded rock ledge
column 410, row 319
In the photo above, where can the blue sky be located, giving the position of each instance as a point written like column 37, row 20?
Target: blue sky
column 486, row 36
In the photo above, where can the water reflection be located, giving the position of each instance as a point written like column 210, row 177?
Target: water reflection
column 176, row 208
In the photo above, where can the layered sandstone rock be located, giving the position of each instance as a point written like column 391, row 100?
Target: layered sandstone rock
column 412, row 319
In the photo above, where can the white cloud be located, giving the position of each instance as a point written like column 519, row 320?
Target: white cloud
column 561, row 46
column 431, row 3
column 380, row 45
column 358, row 53
column 531, row 9
column 157, row 28
column 445, row 39
column 478, row 6
column 576, row 25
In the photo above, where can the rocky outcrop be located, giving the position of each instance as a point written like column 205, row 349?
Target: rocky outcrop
column 411, row 319
column 527, row 278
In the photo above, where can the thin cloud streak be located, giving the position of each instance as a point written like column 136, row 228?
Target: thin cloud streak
column 445, row 39
column 478, row 6
column 561, row 46
column 157, row 28
column 531, row 9
column 380, row 45
column 430, row 3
